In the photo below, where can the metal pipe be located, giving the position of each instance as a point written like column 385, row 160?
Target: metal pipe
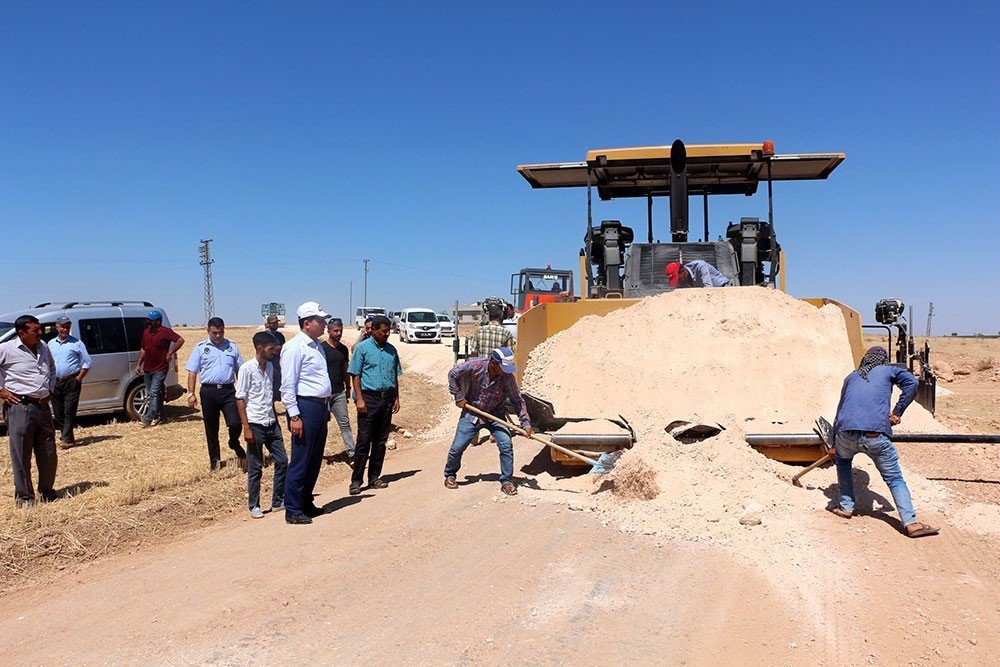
column 811, row 439
column 649, row 216
column 705, row 199
column 584, row 439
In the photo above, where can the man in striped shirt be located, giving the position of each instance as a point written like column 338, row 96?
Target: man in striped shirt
column 488, row 337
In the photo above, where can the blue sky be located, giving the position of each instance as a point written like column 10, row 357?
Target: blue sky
column 306, row 136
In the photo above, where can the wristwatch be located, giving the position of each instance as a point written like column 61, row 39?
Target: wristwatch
column 296, row 418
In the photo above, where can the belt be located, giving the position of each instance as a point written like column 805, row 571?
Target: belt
column 32, row 400
column 66, row 377
column 386, row 393
column 872, row 434
column 312, row 399
column 216, row 386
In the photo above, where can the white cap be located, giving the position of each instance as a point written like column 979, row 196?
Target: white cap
column 310, row 309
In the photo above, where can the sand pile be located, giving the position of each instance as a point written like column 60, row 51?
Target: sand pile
column 751, row 357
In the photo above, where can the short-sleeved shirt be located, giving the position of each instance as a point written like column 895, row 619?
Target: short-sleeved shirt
column 25, row 373
column 155, row 345
column 278, row 336
column 336, row 357
column 488, row 337
column 256, row 389
column 377, row 366
column 71, row 356
column 215, row 364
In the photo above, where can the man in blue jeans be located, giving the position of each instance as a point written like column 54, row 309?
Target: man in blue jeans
column 487, row 384
column 159, row 345
column 255, row 403
column 864, row 426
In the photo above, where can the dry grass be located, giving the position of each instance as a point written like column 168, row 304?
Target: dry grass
column 123, row 486
column 984, row 364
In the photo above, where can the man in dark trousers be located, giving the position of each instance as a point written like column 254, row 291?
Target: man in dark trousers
column 72, row 365
column 864, row 426
column 27, row 378
column 271, row 326
column 215, row 362
column 255, row 401
column 374, row 371
column 489, row 385
column 337, row 357
column 305, row 393
column 159, row 345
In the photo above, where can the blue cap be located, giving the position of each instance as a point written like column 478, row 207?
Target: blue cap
column 155, row 315
column 504, row 357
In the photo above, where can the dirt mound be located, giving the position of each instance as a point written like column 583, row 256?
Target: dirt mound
column 633, row 478
column 747, row 357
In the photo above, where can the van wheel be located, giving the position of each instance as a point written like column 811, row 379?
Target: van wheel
column 137, row 401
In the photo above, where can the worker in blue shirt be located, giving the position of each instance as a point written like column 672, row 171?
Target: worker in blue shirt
column 72, row 365
column 695, row 274
column 864, row 426
column 215, row 362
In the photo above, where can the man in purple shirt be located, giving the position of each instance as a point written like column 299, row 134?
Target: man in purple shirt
column 486, row 384
column 864, row 426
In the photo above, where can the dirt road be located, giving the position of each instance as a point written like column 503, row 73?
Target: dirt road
column 416, row 574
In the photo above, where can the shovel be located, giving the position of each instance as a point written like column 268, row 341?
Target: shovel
column 825, row 431
column 548, row 443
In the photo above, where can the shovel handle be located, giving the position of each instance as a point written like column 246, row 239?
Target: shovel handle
column 823, row 459
column 517, row 429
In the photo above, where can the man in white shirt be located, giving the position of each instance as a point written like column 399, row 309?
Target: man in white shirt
column 305, row 388
column 255, row 403
column 27, row 379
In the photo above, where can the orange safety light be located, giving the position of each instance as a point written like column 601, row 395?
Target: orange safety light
column 769, row 147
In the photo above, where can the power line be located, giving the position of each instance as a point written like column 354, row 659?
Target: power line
column 205, row 253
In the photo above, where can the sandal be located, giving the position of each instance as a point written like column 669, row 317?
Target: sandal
column 923, row 531
column 450, row 483
column 841, row 512
column 509, row 488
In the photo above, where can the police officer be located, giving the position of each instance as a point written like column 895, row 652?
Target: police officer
column 215, row 362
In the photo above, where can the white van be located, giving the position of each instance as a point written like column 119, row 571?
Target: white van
column 416, row 324
column 362, row 313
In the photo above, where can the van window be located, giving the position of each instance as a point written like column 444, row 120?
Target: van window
column 49, row 331
column 134, row 326
column 421, row 316
column 105, row 335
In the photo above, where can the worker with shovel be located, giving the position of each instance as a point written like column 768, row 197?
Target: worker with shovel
column 486, row 384
column 864, row 425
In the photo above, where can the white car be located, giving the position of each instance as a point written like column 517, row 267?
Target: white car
column 419, row 324
column 447, row 326
column 363, row 313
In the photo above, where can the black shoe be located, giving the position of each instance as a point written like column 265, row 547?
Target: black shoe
column 378, row 484
column 313, row 511
column 297, row 518
column 355, row 489
column 49, row 496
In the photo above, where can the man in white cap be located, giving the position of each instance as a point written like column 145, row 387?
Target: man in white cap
column 305, row 390
column 486, row 384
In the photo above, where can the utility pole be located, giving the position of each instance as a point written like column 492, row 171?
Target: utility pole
column 365, row 304
column 206, row 261
column 930, row 316
column 350, row 299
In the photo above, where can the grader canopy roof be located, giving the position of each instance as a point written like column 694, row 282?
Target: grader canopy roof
column 713, row 169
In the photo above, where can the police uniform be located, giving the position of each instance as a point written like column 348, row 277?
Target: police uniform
column 216, row 366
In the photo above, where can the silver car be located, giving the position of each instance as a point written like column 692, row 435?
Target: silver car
column 112, row 331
